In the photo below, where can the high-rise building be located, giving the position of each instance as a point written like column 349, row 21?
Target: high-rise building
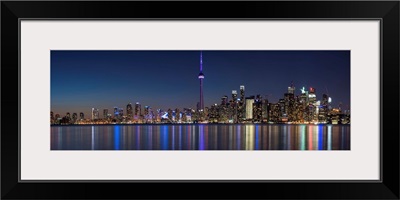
column 201, row 77
column 51, row 117
column 241, row 107
column 224, row 100
column 81, row 116
column 116, row 112
column 234, row 95
column 105, row 113
column 138, row 111
column 265, row 110
column 291, row 89
column 95, row 113
column 312, row 98
column 249, row 107
column 257, row 109
column 74, row 117
column 312, row 108
column 234, row 107
column 129, row 111
column 120, row 113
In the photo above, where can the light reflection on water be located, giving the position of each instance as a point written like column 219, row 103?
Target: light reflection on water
column 201, row 137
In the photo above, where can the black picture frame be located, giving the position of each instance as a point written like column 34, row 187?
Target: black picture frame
column 386, row 11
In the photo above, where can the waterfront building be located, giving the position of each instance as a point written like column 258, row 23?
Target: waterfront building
column 105, row 113
column 74, row 118
column 257, row 109
column 129, row 111
column 95, row 113
column 249, row 107
column 241, row 106
column 116, row 112
column 264, row 110
column 138, row 112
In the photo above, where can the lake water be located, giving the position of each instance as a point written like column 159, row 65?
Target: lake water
column 201, row 137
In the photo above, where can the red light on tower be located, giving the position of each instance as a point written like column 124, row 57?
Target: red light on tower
column 312, row 90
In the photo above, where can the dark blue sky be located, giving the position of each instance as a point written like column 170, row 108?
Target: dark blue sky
column 81, row 80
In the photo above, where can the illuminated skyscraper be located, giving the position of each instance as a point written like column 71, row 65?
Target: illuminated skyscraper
column 129, row 111
column 291, row 89
column 116, row 112
column 51, row 117
column 95, row 113
column 234, row 95
column 105, row 113
column 249, row 107
column 121, row 113
column 312, row 98
column 74, row 117
column 224, row 100
column 201, row 77
column 138, row 111
column 234, row 106
column 242, row 108
column 81, row 116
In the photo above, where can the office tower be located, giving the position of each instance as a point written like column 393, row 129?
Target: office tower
column 201, row 77
column 169, row 111
column 177, row 115
column 312, row 98
column 116, row 112
column 234, row 95
column 120, row 113
column 242, row 108
column 234, row 107
column 304, row 105
column 74, row 117
column 105, row 113
column 282, row 112
column 95, row 113
column 81, row 116
column 129, row 111
column 51, row 117
column 291, row 89
column 265, row 110
column 257, row 109
column 323, row 108
column 138, row 111
column 249, row 107
column 224, row 100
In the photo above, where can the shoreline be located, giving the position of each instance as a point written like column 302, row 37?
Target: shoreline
column 183, row 124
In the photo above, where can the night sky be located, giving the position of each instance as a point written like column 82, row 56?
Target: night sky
column 81, row 80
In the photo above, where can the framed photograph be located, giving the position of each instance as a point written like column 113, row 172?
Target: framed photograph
column 290, row 96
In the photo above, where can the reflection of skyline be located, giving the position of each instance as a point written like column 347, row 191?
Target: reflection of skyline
column 229, row 137
column 81, row 80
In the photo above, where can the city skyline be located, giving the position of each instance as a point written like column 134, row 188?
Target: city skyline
column 167, row 79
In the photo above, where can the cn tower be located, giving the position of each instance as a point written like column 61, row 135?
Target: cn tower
column 201, row 77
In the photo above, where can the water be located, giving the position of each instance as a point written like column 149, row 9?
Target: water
column 201, row 137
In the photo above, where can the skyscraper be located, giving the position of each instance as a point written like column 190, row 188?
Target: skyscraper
column 95, row 113
column 138, row 111
column 242, row 108
column 249, row 107
column 105, row 113
column 201, row 77
column 291, row 89
column 129, row 111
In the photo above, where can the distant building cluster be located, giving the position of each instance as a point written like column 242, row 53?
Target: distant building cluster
column 303, row 108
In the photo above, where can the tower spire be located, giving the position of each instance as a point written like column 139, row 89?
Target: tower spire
column 201, row 61
column 201, row 77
